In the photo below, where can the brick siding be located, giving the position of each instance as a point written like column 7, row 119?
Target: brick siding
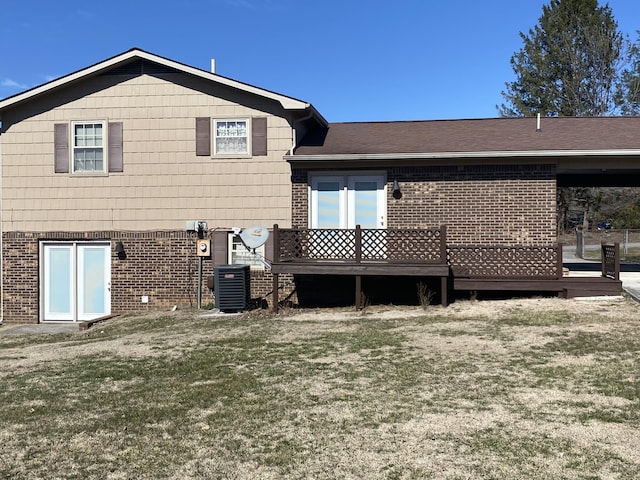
column 480, row 204
column 161, row 265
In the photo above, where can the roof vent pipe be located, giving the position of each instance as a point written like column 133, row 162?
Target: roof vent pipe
column 213, row 65
column 538, row 123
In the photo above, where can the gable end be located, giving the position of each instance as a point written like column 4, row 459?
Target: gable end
column 139, row 66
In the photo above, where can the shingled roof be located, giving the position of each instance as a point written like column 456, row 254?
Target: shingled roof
column 459, row 137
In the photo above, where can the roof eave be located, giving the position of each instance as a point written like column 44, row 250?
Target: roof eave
column 381, row 157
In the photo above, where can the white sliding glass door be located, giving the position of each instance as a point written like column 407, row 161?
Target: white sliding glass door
column 366, row 199
column 76, row 281
column 348, row 200
column 94, row 281
column 328, row 202
column 59, row 267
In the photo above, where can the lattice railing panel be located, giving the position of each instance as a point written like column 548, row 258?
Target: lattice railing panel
column 611, row 260
column 331, row 244
column 505, row 262
column 371, row 245
column 402, row 245
column 317, row 244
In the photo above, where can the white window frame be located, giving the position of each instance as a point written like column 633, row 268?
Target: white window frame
column 72, row 151
column 246, row 257
column 346, row 195
column 214, row 136
column 75, row 280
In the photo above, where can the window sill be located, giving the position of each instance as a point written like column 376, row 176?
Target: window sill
column 89, row 174
column 231, row 156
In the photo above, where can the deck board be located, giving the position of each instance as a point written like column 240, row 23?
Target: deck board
column 362, row 268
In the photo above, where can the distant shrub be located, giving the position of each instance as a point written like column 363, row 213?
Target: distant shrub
column 628, row 217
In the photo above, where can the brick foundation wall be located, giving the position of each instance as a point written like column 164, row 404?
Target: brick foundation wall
column 480, row 204
column 161, row 265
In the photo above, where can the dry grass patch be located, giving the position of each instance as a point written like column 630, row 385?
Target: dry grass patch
column 529, row 389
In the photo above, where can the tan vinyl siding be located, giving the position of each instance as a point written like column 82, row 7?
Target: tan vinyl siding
column 164, row 183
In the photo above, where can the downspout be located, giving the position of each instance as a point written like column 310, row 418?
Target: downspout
column 295, row 132
column 1, row 234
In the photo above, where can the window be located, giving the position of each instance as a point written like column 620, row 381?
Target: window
column 88, row 145
column 240, row 255
column 231, row 137
column 344, row 201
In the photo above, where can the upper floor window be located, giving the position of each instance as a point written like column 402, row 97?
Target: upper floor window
column 231, row 137
column 89, row 147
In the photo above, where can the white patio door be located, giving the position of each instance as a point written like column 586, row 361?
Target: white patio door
column 328, row 202
column 366, row 200
column 342, row 202
column 76, row 280
column 348, row 200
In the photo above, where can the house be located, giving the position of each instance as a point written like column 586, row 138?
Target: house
column 104, row 169
column 491, row 182
column 110, row 174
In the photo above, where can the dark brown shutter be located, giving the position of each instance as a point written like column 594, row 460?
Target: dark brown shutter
column 115, row 147
column 203, row 136
column 61, row 147
column 220, row 243
column 259, row 136
column 268, row 247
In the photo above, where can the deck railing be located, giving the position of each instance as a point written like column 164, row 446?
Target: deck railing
column 481, row 261
column 416, row 246
column 360, row 245
column 611, row 260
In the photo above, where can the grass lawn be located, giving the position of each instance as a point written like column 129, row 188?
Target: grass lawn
column 631, row 256
column 520, row 389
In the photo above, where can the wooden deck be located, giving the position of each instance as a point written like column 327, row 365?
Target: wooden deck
column 425, row 253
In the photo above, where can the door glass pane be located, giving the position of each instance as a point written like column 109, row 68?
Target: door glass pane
column 59, row 281
column 366, row 203
column 93, row 281
column 328, row 204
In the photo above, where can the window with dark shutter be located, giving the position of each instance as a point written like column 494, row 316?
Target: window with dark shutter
column 259, row 136
column 268, row 247
column 203, row 136
column 61, row 147
column 115, row 147
column 82, row 151
column 231, row 137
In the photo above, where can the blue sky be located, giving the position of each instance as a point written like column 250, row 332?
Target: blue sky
column 353, row 60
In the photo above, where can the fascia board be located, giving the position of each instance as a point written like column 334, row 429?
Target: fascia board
column 459, row 155
column 288, row 103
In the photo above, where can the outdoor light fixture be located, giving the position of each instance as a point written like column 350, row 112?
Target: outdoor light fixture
column 120, row 251
column 396, row 189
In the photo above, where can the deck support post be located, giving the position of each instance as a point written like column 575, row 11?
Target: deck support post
column 444, row 286
column 358, row 258
column 358, row 292
column 276, row 258
column 276, row 300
